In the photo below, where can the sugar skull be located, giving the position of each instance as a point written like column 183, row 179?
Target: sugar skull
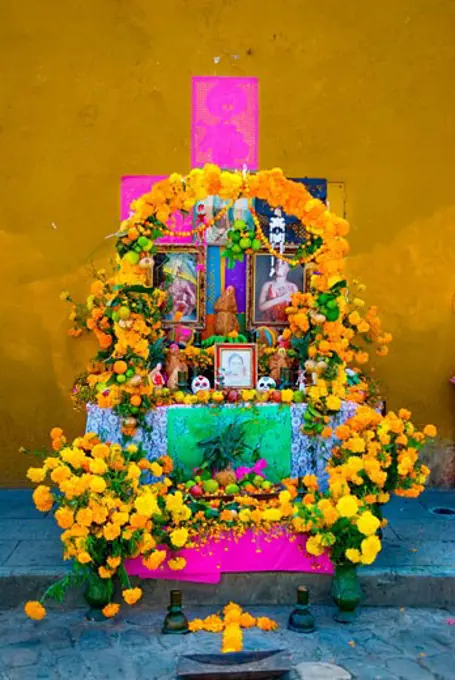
column 200, row 382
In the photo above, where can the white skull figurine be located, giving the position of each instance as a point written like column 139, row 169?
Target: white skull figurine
column 265, row 383
column 200, row 382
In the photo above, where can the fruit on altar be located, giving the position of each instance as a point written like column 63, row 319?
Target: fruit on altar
column 258, row 481
column 132, row 257
column 210, row 486
column 299, row 397
column 245, row 243
column 236, row 248
column 275, row 396
column 124, row 312
column 217, row 397
column 190, row 483
column 179, row 397
column 232, row 489
column 267, row 485
column 196, row 491
column 115, row 316
column 255, row 244
column 121, row 378
column 234, row 235
column 226, row 477
column 120, row 366
column 134, row 410
column 143, row 241
column 135, row 400
column 232, row 396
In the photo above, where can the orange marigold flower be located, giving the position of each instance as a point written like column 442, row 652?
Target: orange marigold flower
column 56, row 433
column 247, row 621
column 105, row 573
column 100, row 451
column 430, row 431
column 132, row 595
column 111, row 610
column 195, row 625
column 35, row 610
column 264, row 623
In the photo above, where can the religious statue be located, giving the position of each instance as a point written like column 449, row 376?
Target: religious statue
column 156, row 377
column 278, row 361
column 226, row 319
column 174, row 365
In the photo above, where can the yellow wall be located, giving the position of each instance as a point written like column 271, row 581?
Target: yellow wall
column 358, row 92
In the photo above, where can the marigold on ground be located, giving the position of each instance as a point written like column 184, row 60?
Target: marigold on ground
column 35, row 610
column 111, row 610
column 132, row 595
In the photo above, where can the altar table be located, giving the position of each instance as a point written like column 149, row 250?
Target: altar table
column 276, row 428
column 253, row 552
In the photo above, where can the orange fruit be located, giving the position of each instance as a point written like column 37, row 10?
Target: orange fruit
column 135, row 400
column 120, row 366
column 133, row 234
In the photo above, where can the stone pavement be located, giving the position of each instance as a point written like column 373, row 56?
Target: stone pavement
column 383, row 644
column 415, row 568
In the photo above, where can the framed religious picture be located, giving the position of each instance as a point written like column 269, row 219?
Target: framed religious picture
column 271, row 283
column 236, row 365
column 180, row 270
column 208, row 209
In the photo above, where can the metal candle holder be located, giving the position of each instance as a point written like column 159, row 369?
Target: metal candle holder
column 175, row 622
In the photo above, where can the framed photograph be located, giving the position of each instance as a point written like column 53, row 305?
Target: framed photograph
column 180, row 270
column 271, row 283
column 237, row 364
column 206, row 210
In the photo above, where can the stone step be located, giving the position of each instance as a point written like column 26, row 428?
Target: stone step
column 399, row 588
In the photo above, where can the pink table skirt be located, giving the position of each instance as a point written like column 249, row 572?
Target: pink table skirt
column 254, row 551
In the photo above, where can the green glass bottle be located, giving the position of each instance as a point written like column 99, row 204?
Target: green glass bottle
column 301, row 619
column 175, row 622
column 285, row 378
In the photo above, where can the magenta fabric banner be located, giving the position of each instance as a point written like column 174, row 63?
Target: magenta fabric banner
column 133, row 186
column 252, row 552
column 225, row 122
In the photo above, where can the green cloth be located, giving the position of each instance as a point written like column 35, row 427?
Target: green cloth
column 268, row 426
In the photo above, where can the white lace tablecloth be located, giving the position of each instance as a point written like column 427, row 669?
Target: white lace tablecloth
column 308, row 454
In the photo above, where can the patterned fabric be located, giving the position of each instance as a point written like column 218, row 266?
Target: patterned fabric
column 175, row 429
column 225, row 127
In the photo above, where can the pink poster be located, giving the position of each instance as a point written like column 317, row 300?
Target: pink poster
column 225, row 122
column 133, row 186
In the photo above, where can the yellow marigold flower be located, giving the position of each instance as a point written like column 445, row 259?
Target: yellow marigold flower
column 43, row 498
column 354, row 318
column 314, row 547
column 105, row 573
column 244, row 515
column 100, row 451
column 383, row 497
column 35, row 610
column 51, row 463
column 370, row 547
column 368, row 524
column 156, row 469
column 232, row 639
column 97, row 484
column 83, row 557
column 146, row 504
column 213, row 624
column 111, row 531
column 84, row 516
column 179, row 537
column 97, row 466
column 333, row 403
column 287, row 396
column 430, row 431
column 353, row 555
column 358, row 302
column 247, row 621
column 232, row 607
column 264, row 623
column 64, row 517
column 354, row 463
column 404, row 414
column 177, row 563
column 36, row 475
column 195, row 625
column 154, row 560
column 348, row 506
column 271, row 515
column 111, row 610
column 132, row 595
column 60, row 474
column 311, row 482
column 134, row 471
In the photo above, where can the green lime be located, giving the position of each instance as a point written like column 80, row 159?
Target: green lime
column 332, row 304
column 232, row 489
column 256, row 244
column 245, row 243
column 190, row 483
column 124, row 312
column 239, row 224
column 210, row 486
column 236, row 248
column 121, row 378
column 134, row 409
column 234, row 236
column 130, row 373
column 142, row 240
column 131, row 257
column 115, row 316
column 137, row 248
column 148, row 246
column 299, row 397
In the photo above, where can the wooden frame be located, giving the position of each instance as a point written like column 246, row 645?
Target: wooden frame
column 238, row 352
column 193, row 275
column 276, row 318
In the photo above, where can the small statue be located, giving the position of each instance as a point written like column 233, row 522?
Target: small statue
column 156, row 377
column 226, row 319
column 174, row 365
column 278, row 361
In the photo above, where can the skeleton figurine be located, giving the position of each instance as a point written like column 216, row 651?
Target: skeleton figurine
column 277, row 236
